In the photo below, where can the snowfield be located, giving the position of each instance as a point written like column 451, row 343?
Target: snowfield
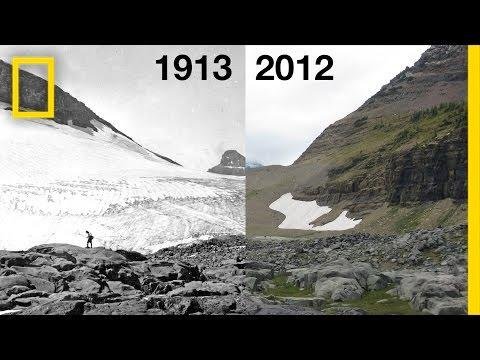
column 299, row 215
column 57, row 181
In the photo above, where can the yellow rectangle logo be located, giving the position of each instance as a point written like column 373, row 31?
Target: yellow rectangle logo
column 50, row 63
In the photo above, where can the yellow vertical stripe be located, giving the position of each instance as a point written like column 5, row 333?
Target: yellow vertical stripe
column 474, row 180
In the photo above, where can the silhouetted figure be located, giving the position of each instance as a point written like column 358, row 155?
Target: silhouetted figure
column 89, row 239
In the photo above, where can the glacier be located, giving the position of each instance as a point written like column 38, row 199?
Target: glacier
column 57, row 181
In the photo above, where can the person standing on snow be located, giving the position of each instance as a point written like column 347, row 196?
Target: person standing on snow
column 89, row 239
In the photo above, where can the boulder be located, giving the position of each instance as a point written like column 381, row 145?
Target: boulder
column 56, row 250
column 44, row 272
column 151, row 285
column 17, row 289
column 221, row 273
column 187, row 272
column 434, row 293
column 62, row 264
column 121, row 288
column 40, row 261
column 8, row 258
column 377, row 282
column 7, row 272
column 431, row 285
column 338, row 288
column 307, row 277
column 29, row 294
column 251, row 283
column 207, row 288
column 447, row 306
column 6, row 282
column 56, row 308
column 163, row 272
column 260, row 274
column 132, row 255
column 129, row 307
column 41, row 284
column 85, row 286
column 315, row 302
column 173, row 305
column 217, row 305
column 96, row 258
column 79, row 273
column 68, row 296
column 6, row 305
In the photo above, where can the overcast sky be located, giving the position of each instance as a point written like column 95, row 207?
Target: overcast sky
column 192, row 121
column 284, row 117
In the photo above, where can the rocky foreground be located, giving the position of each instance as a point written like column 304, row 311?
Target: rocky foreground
column 421, row 272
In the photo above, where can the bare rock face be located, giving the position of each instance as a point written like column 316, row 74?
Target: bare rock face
column 232, row 163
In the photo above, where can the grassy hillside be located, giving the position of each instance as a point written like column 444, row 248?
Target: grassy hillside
column 398, row 162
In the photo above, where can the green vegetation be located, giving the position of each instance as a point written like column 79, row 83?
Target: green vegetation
column 388, row 305
column 438, row 110
column 447, row 218
column 379, row 138
column 284, row 289
column 403, row 136
column 409, row 221
column 352, row 163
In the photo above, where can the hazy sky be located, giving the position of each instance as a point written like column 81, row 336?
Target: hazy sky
column 284, row 117
column 192, row 121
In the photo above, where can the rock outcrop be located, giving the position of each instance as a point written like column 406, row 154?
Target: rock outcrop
column 232, row 163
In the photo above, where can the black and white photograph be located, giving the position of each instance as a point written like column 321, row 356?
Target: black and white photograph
column 133, row 190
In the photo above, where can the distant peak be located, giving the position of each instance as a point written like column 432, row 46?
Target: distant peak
column 232, row 163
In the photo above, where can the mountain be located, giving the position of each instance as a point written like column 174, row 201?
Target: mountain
column 252, row 164
column 398, row 162
column 68, row 110
column 232, row 163
column 78, row 172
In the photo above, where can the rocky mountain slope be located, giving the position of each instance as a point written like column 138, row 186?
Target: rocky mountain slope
column 232, row 163
column 68, row 110
column 398, row 162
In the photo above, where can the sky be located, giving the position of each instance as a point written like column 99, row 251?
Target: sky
column 284, row 117
column 193, row 121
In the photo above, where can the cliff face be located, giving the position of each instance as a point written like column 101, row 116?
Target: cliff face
column 406, row 144
column 232, row 163
column 432, row 173
column 68, row 110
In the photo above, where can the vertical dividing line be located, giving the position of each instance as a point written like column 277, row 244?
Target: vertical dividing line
column 473, row 179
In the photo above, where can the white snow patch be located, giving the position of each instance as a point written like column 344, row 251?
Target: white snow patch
column 342, row 222
column 299, row 215
column 6, row 312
